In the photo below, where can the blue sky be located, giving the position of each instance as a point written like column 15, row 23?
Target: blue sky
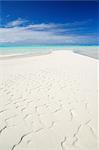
column 48, row 22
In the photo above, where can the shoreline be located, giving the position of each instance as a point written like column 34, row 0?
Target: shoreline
column 6, row 57
column 82, row 53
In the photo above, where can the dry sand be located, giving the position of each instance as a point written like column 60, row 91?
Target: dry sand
column 48, row 102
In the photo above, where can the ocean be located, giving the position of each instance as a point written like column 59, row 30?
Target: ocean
column 91, row 51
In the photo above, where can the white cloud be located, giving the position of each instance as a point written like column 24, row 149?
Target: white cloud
column 42, row 33
column 42, row 26
column 15, row 23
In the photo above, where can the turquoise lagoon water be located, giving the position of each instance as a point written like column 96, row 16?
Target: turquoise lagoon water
column 91, row 51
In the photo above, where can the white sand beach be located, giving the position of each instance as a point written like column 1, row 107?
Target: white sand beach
column 48, row 102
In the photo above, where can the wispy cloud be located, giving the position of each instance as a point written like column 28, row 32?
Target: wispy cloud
column 15, row 23
column 78, row 23
column 18, row 32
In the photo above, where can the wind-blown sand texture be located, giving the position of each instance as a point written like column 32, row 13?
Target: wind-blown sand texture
column 48, row 102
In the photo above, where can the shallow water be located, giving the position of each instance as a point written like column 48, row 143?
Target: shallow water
column 91, row 51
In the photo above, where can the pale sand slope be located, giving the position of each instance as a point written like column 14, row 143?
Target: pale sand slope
column 48, row 102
